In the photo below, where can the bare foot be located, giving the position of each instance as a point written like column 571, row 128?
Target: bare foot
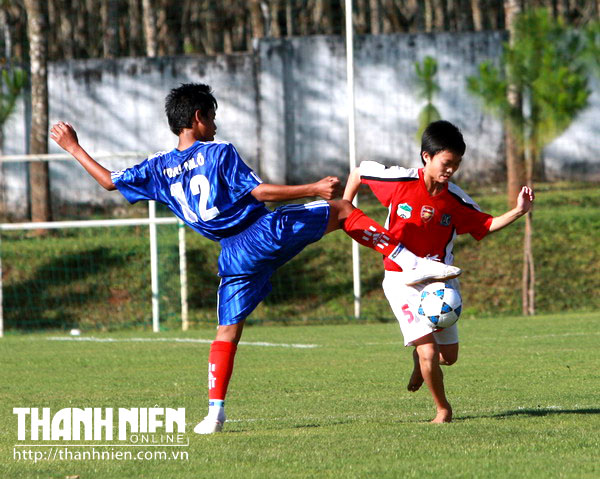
column 416, row 379
column 443, row 415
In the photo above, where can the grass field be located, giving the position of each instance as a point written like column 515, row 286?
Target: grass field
column 524, row 392
column 98, row 279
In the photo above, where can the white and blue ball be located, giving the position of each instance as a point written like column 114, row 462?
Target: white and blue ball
column 440, row 304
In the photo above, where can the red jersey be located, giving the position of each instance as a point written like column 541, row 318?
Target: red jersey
column 427, row 225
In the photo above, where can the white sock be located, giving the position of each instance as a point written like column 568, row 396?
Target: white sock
column 404, row 258
column 216, row 410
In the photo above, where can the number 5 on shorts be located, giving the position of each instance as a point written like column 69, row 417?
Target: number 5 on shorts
column 408, row 314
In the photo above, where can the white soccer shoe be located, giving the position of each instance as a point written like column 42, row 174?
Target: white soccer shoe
column 208, row 426
column 429, row 270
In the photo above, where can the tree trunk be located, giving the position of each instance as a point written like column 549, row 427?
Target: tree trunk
column 528, row 289
column 477, row 17
column 289, row 18
column 528, row 285
column 515, row 168
column 515, row 160
column 275, row 26
column 227, row 24
column 54, row 46
column 375, row 16
column 428, row 15
column 452, row 15
column 323, row 17
column 150, row 35
column 463, row 15
column 519, row 160
column 165, row 39
column 440, row 15
column 110, row 27
column 239, row 27
column 211, row 18
column 135, row 28
column 562, row 9
column 304, row 19
column 39, row 179
column 256, row 19
column 399, row 22
column 3, row 209
column 67, row 29
column 4, row 26
column 195, row 24
column 360, row 16
column 80, row 32
column 18, row 30
column 93, row 26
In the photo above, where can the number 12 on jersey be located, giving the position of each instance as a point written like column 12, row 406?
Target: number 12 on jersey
column 199, row 185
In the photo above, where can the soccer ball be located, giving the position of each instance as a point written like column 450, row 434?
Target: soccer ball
column 440, row 305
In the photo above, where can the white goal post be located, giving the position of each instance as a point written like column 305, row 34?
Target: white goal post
column 151, row 222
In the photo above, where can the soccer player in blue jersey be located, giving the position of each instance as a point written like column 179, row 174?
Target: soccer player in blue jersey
column 208, row 186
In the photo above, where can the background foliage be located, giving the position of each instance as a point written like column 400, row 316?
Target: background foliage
column 110, row 28
column 98, row 279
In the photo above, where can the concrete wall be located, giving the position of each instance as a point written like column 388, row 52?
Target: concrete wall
column 118, row 106
column 311, row 90
column 284, row 107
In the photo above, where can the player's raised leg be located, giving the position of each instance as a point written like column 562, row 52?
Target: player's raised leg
column 367, row 232
column 448, row 354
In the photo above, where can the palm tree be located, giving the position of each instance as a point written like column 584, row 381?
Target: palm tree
column 427, row 88
column 543, row 66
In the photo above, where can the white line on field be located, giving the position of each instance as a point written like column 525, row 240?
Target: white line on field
column 586, row 333
column 492, row 412
column 93, row 339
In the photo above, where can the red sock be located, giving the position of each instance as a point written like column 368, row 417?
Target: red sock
column 367, row 232
column 220, row 367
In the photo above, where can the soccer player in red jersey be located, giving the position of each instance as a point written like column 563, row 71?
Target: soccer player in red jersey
column 426, row 213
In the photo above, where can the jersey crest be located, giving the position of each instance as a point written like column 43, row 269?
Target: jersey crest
column 404, row 211
column 427, row 213
column 446, row 220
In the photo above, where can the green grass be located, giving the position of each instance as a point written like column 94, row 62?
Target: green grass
column 99, row 278
column 524, row 392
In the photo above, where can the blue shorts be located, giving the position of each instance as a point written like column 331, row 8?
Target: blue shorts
column 249, row 259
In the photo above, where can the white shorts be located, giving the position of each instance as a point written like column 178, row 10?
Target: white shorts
column 404, row 301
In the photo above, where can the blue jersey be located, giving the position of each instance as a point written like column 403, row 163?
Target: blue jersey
column 206, row 185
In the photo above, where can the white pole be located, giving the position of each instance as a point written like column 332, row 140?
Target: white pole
column 67, row 157
column 154, row 267
column 48, row 225
column 352, row 143
column 183, row 277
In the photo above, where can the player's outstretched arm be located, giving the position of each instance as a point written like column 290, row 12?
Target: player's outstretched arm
column 524, row 204
column 326, row 188
column 66, row 137
column 352, row 185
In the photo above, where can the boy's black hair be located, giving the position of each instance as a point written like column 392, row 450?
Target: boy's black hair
column 182, row 103
column 440, row 136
